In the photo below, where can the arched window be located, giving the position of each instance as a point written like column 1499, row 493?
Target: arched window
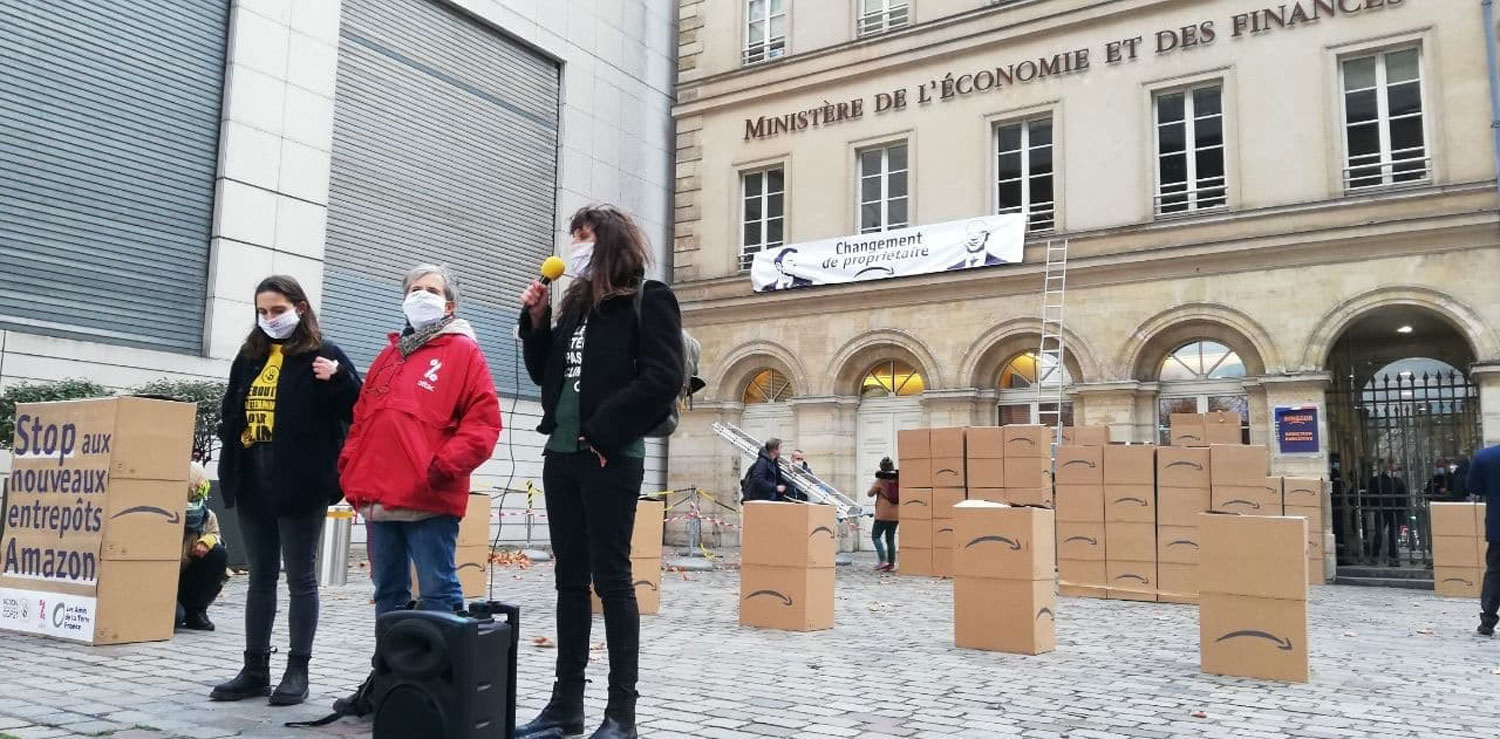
column 1017, row 403
column 1021, row 372
column 768, row 386
column 892, row 378
column 1201, row 360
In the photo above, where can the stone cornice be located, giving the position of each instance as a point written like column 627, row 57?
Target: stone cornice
column 1297, row 378
column 1484, row 368
column 1100, row 388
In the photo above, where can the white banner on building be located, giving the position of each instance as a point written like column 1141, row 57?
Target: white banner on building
column 986, row 241
column 48, row 614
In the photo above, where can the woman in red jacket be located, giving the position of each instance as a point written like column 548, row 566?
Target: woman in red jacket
column 426, row 419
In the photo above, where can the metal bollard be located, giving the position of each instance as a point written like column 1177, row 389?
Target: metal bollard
column 333, row 554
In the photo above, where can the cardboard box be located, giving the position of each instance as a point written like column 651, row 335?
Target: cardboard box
column 986, row 473
column 474, row 528
column 1178, row 598
column 136, row 601
column 788, row 598
column 1134, row 542
column 1085, row 436
column 1457, row 551
column 1262, row 499
column 1028, row 442
column 1239, row 464
column 943, row 500
column 788, row 535
column 1130, row 580
column 1255, row 556
column 1039, row 497
column 1129, row 503
column 914, row 561
column 135, row 524
column 473, row 569
column 942, row 534
column 1314, row 518
column 1080, row 465
column 1130, row 465
column 948, row 443
column 913, row 444
column 1179, row 580
column 994, row 495
column 650, row 520
column 1181, row 506
column 1457, row 582
column 1082, row 591
column 1082, row 503
column 1222, row 427
column 1028, row 472
column 1188, row 429
column 1083, row 573
column 916, row 473
column 942, row 562
column 645, row 575
column 916, row 504
column 1177, row 545
column 1253, row 637
column 1304, row 492
column 949, row 472
column 915, row 534
column 1457, row 519
column 984, row 442
column 999, row 541
column 1081, row 542
column 1016, row 616
column 1183, row 468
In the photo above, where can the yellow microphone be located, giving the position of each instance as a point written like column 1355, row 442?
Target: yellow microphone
column 552, row 269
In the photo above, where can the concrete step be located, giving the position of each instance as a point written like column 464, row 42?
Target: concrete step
column 1405, row 583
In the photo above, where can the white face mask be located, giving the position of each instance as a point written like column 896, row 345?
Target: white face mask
column 423, row 309
column 280, row 327
column 581, row 260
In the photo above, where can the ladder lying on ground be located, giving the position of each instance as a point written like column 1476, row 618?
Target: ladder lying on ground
column 1049, row 360
column 815, row 489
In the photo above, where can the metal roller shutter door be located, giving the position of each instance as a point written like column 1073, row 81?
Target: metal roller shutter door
column 445, row 151
column 109, row 136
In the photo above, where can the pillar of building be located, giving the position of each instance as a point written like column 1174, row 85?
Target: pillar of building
column 1487, row 376
column 1111, row 404
column 1284, row 391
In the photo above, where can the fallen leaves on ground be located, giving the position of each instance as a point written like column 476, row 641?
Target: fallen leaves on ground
column 513, row 558
column 1425, row 631
column 542, row 642
column 1199, row 714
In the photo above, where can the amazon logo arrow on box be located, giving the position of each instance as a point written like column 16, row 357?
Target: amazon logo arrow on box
column 1012, row 543
column 771, row 593
column 1284, row 645
column 171, row 516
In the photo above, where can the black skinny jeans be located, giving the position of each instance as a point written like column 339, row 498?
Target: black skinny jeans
column 202, row 579
column 591, row 514
column 1489, row 595
column 273, row 542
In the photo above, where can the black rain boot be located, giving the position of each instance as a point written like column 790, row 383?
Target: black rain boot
column 619, row 717
column 561, row 719
column 293, row 687
column 253, row 681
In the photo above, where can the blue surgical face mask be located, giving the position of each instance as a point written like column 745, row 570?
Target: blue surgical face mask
column 581, row 260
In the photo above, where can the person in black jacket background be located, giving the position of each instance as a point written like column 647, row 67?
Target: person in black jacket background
column 765, row 481
column 609, row 375
column 289, row 400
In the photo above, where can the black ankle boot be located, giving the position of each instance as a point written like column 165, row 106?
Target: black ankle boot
column 619, row 719
column 561, row 719
column 293, row 687
column 253, row 681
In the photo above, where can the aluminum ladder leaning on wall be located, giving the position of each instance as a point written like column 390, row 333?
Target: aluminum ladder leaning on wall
column 1050, row 374
column 815, row 489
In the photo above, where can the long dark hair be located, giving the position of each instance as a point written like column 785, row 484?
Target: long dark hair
column 307, row 337
column 620, row 258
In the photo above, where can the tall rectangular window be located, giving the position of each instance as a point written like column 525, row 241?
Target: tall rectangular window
column 883, row 200
column 1385, row 140
column 762, row 212
column 1190, row 150
column 879, row 16
column 765, row 30
column 1024, row 181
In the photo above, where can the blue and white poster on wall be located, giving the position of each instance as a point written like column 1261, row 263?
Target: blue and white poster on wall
column 1297, row 430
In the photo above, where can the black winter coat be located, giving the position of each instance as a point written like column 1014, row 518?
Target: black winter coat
column 312, row 417
column 765, row 477
column 632, row 367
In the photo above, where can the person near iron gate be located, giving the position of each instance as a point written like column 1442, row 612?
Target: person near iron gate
column 1386, row 499
column 1336, row 482
column 289, row 400
column 610, row 367
column 887, row 494
column 427, row 418
column 1484, row 480
column 765, row 481
column 204, row 558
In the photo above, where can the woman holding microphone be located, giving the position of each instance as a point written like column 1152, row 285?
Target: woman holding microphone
column 610, row 367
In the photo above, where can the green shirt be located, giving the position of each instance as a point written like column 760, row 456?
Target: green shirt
column 564, row 439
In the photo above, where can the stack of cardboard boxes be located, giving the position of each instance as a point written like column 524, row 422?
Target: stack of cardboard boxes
column 1239, row 481
column 1080, row 521
column 1303, row 497
column 1004, row 597
column 786, row 570
column 1253, row 614
column 1206, row 429
column 1028, row 465
column 1130, row 522
column 1458, row 549
column 1183, row 493
column 914, row 447
column 985, row 452
column 645, row 555
column 949, row 486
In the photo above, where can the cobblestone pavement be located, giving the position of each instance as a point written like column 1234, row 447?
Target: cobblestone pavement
column 1386, row 663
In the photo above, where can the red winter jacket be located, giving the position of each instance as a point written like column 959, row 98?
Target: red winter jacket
column 422, row 425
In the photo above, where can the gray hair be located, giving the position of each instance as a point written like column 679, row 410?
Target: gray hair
column 450, row 280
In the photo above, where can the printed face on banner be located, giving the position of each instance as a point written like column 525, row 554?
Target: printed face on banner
column 943, row 247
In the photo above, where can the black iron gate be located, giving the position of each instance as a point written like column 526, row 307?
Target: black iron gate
column 1398, row 441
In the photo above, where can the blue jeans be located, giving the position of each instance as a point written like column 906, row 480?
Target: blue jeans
column 431, row 545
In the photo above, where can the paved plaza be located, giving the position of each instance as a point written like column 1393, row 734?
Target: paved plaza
column 1386, row 663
